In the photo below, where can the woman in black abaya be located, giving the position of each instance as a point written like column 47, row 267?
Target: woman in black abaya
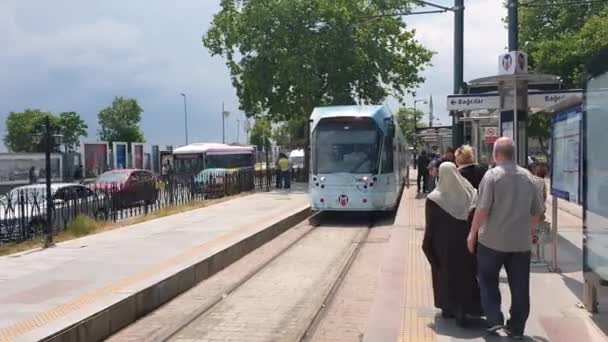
column 448, row 207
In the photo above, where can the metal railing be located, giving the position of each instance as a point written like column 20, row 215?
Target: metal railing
column 22, row 215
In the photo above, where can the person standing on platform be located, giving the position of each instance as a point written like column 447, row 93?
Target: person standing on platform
column 467, row 167
column 448, row 209
column 423, row 173
column 508, row 204
column 284, row 169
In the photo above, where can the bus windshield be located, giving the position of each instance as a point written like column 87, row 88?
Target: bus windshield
column 346, row 146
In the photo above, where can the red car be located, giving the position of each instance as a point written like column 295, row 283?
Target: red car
column 127, row 187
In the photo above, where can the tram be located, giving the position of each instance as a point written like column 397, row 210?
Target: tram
column 359, row 159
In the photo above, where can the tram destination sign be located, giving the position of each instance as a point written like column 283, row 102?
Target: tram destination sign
column 536, row 99
column 472, row 102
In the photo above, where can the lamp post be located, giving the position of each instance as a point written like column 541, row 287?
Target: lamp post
column 185, row 117
column 47, row 138
column 238, row 130
column 225, row 114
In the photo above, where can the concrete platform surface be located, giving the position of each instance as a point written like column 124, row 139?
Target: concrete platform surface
column 404, row 310
column 45, row 291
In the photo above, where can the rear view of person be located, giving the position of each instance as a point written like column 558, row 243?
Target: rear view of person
column 467, row 167
column 508, row 205
column 423, row 173
column 448, row 208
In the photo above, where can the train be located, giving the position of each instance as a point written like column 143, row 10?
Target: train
column 359, row 159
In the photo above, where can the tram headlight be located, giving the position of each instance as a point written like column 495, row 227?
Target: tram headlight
column 322, row 179
column 365, row 179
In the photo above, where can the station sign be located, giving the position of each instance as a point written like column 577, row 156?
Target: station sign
column 472, row 102
column 536, row 99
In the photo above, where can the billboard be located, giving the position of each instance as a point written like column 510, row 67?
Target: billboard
column 120, row 155
column 566, row 128
column 95, row 157
column 595, row 180
column 137, row 152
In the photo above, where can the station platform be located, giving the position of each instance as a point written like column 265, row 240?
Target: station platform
column 403, row 308
column 88, row 288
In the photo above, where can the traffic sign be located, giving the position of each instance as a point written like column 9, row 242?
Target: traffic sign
column 490, row 135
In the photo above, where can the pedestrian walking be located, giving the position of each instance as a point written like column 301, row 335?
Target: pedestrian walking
column 508, row 203
column 453, row 268
column 423, row 173
column 465, row 160
column 448, row 155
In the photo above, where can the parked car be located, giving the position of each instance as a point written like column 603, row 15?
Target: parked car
column 24, row 207
column 127, row 187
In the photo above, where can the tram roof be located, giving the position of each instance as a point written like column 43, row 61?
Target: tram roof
column 212, row 147
column 377, row 112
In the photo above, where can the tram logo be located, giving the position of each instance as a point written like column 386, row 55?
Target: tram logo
column 343, row 200
column 507, row 62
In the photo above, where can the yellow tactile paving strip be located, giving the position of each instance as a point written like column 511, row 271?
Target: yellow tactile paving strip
column 20, row 328
column 418, row 287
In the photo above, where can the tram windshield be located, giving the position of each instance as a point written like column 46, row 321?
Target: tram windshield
column 346, row 146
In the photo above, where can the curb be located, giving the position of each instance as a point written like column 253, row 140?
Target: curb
column 119, row 315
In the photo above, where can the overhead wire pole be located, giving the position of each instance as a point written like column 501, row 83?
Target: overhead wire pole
column 458, row 67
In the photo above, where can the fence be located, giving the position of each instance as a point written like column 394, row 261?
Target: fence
column 23, row 212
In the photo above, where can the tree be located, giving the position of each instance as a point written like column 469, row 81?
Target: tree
column 405, row 118
column 539, row 128
column 291, row 134
column 72, row 128
column 287, row 57
column 261, row 133
column 22, row 127
column 120, row 121
column 560, row 38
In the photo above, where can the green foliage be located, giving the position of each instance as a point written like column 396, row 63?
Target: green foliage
column 291, row 134
column 539, row 128
column 120, row 121
column 561, row 38
column 21, row 127
column 72, row 128
column 288, row 56
column 405, row 118
column 82, row 225
column 261, row 132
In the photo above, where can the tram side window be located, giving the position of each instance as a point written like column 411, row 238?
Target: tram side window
column 229, row 161
column 387, row 156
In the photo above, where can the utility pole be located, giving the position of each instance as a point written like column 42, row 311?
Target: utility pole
column 48, row 240
column 513, row 25
column 185, row 117
column 238, row 130
column 458, row 66
column 223, row 124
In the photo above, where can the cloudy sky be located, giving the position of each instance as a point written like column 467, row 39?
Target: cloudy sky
column 72, row 55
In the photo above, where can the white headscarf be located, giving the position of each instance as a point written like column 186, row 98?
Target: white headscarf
column 453, row 193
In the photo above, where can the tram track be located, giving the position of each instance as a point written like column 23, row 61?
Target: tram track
column 352, row 237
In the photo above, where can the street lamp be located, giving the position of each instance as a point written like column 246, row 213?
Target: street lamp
column 185, row 117
column 48, row 140
column 225, row 114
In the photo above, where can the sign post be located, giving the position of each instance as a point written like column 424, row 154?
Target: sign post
column 513, row 93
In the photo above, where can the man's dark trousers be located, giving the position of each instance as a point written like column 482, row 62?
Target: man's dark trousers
column 517, row 265
column 423, row 175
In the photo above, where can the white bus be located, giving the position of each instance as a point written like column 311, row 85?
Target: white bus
column 192, row 160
